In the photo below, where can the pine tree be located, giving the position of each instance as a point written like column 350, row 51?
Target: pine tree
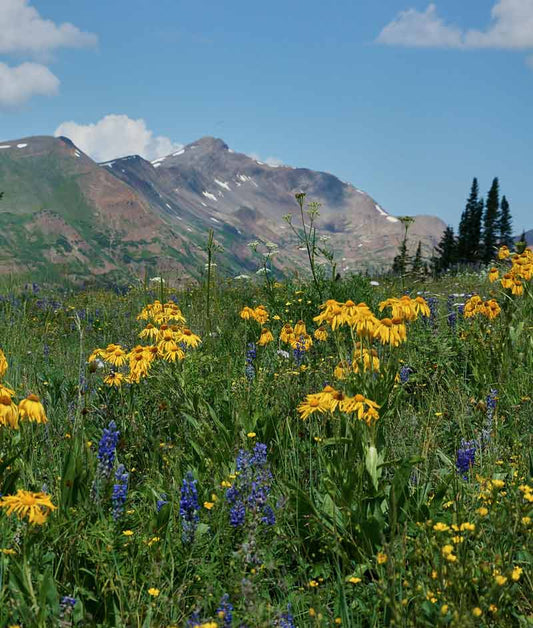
column 505, row 224
column 475, row 232
column 418, row 264
column 468, row 224
column 399, row 263
column 447, row 251
column 490, row 221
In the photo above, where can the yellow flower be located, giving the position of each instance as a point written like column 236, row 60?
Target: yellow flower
column 260, row 314
column 5, row 391
column 493, row 274
column 9, row 413
column 381, row 558
column 313, row 584
column 313, row 403
column 114, row 379
column 286, row 333
column 35, row 506
column 265, row 338
column 251, row 434
column 127, row 532
column 32, row 409
column 467, row 526
column 516, row 573
column 390, row 331
column 526, row 521
column 365, row 409
column 3, row 363
column 477, row 612
column 150, row 331
column 320, row 334
column 173, row 352
column 444, row 609
column 208, row 505
column 493, row 608
column 498, row 484
column 441, row 527
column 7, row 551
column 154, row 539
column 500, row 580
column 188, row 338
column 153, row 591
column 115, row 355
column 503, row 252
column 482, row 512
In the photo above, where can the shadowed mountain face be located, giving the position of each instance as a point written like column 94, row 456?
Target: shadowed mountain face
column 129, row 213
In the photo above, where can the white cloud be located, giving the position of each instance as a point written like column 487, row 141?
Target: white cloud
column 511, row 28
column 413, row 28
column 116, row 136
column 18, row 84
column 23, row 29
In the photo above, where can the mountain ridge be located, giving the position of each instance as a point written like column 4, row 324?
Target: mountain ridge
column 129, row 213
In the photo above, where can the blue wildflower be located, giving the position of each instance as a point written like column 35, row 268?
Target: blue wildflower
column 107, row 448
column 189, row 508
column 405, row 373
column 466, row 456
column 299, row 351
column 225, row 611
column 120, row 491
column 162, row 501
column 251, row 354
column 286, row 619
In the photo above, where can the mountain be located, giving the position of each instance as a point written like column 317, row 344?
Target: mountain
column 63, row 211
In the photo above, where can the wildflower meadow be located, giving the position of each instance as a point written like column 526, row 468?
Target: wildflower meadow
column 252, row 452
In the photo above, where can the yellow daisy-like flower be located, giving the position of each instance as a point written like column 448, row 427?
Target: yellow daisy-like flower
column 34, row 506
column 5, row 391
column 390, row 331
column 503, row 252
column 265, row 338
column 188, row 338
column 208, row 505
column 153, row 592
column 3, row 363
column 246, row 313
column 354, row 580
column 300, row 329
column 313, row 403
column 117, row 356
column 260, row 314
column 303, row 341
column 150, row 332
column 494, row 274
column 477, row 612
column 173, row 353
column 320, row 334
column 516, row 573
column 32, row 409
column 9, row 413
column 381, row 558
column 286, row 333
column 365, row 409
column 114, row 379
column 127, row 532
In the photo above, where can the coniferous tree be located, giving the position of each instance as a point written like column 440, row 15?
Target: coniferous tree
column 468, row 224
column 418, row 264
column 446, row 250
column 490, row 221
column 521, row 245
column 475, row 246
column 505, row 224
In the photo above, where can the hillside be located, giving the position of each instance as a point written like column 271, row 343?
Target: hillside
column 63, row 212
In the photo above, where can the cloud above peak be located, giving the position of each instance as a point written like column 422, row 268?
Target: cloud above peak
column 117, row 135
column 511, row 28
column 22, row 29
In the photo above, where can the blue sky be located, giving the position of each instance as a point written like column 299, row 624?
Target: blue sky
column 405, row 99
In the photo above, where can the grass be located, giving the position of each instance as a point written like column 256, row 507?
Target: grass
column 374, row 525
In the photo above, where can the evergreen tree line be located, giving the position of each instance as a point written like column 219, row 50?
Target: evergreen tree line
column 485, row 225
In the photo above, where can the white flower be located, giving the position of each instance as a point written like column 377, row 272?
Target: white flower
column 158, row 279
column 283, row 354
column 374, row 283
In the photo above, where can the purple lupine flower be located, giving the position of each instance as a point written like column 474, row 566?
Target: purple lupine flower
column 251, row 354
column 107, row 449
column 299, row 351
column 120, row 491
column 225, row 611
column 251, row 488
column 405, row 373
column 162, row 501
column 466, row 456
column 189, row 508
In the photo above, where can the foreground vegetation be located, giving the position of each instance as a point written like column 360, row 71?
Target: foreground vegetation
column 249, row 455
